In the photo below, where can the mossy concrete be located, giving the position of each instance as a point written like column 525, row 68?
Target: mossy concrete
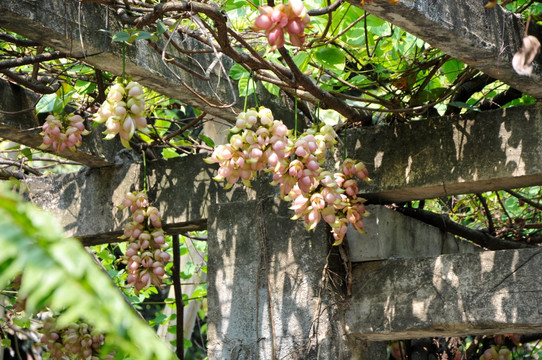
column 486, row 39
column 492, row 292
column 83, row 30
column 391, row 234
column 267, row 299
column 491, row 150
column 19, row 123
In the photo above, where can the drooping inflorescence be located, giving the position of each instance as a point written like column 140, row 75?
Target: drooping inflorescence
column 123, row 111
column 76, row 341
column 63, row 131
column 290, row 18
column 145, row 256
column 259, row 142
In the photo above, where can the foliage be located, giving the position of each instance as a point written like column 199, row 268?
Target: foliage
column 344, row 68
column 58, row 273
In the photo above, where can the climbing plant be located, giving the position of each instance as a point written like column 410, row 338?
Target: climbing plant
column 335, row 65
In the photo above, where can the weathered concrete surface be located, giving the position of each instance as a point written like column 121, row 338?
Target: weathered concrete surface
column 94, row 152
column 182, row 189
column 264, row 275
column 493, row 292
column 77, row 28
column 393, row 235
column 488, row 151
column 484, row 38
column 499, row 149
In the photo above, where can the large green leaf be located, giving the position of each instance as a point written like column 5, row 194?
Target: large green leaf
column 59, row 273
column 331, row 58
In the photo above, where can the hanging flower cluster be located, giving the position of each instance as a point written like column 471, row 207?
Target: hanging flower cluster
column 259, row 142
column 291, row 18
column 123, row 111
column 145, row 256
column 63, row 131
column 76, row 341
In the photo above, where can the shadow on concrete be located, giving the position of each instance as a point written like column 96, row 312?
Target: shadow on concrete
column 493, row 292
column 486, row 151
column 264, row 276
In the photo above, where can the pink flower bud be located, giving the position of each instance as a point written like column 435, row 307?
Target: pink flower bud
column 160, row 240
column 263, row 22
column 276, row 38
column 133, row 265
column 297, row 8
column 296, row 27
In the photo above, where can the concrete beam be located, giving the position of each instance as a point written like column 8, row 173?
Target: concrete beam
column 19, row 123
column 77, row 28
column 425, row 159
column 492, row 150
column 487, row 39
column 181, row 188
column 493, row 292
column 391, row 234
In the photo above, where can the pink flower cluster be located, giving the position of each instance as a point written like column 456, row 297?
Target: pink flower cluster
column 275, row 21
column 76, row 341
column 123, row 112
column 61, row 132
column 258, row 142
column 145, row 256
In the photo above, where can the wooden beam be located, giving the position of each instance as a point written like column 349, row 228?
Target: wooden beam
column 19, row 123
column 487, row 39
column 493, row 292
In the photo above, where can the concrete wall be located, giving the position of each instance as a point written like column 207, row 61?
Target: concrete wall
column 393, row 235
column 265, row 275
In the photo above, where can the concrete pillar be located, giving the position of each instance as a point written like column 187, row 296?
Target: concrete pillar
column 265, row 294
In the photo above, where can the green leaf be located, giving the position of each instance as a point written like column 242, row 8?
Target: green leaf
column 200, row 291
column 187, row 344
column 141, row 35
column 237, row 72
column 5, row 343
column 189, row 269
column 331, row 58
column 169, row 153
column 23, row 322
column 451, row 69
column 246, row 86
column 207, row 140
column 48, row 103
column 302, row 61
column 272, row 88
column 84, row 87
column 463, row 105
column 121, row 36
column 27, row 153
column 161, row 27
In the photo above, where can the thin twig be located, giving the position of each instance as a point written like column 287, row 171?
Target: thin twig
column 524, row 199
column 32, row 59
